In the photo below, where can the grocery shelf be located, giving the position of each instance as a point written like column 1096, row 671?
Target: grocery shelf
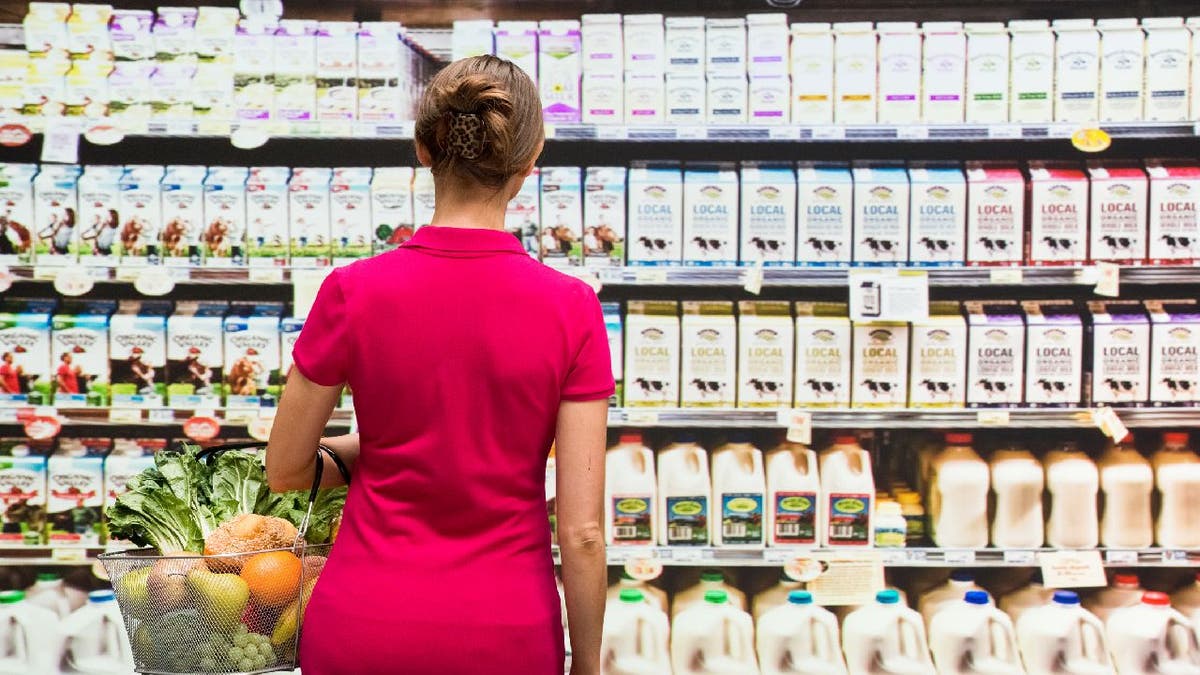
column 146, row 416
column 47, row 556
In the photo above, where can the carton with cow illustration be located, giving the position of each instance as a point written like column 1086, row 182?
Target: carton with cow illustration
column 391, row 207
column 99, row 215
column 17, row 231
column 137, row 353
column 522, row 216
column 55, row 213
column 25, row 374
column 1120, row 338
column 996, row 214
column 710, row 216
column 267, row 238
column 350, row 214
column 938, row 366
column 1058, row 214
column 1175, row 352
column 768, row 225
column 195, row 354
column 183, row 214
column 616, row 348
column 1174, row 231
column 765, row 347
column 561, row 238
column 140, row 237
column 308, row 214
column 1053, row 353
column 75, row 492
column 652, row 353
column 823, row 355
column 938, row 215
column 223, row 240
column 604, row 216
column 708, row 370
column 879, row 365
column 655, row 215
column 996, row 354
column 881, row 214
column 1118, row 212
column 252, row 355
column 23, row 491
column 129, row 457
column 79, row 353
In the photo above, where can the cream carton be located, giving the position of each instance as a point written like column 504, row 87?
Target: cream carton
column 725, row 46
column 823, row 355
column 379, row 66
column 174, row 94
column 880, row 365
column 727, row 99
column 23, row 482
column 1076, row 70
column 252, row 361
column 350, row 214
column 195, row 354
column 309, row 214
column 129, row 93
column 472, row 37
column 996, row 356
column 768, row 223
column 899, row 72
column 137, row 353
column 710, row 216
column 224, row 237
column 1167, row 59
column 130, row 36
column 75, row 492
column 1118, row 208
column 655, row 215
column 603, row 98
column 645, row 43
column 55, row 209
column 140, row 238
column 519, row 209
column 87, row 33
column 824, row 214
column 1058, row 214
column 522, row 218
column 684, row 42
column 616, row 348
column 212, row 89
column 17, row 224
column 938, row 215
column 602, row 44
column 686, row 99
column 945, row 72
column 1120, row 353
column 45, row 30
column 769, row 99
column 767, row 44
column 812, row 73
column 559, row 69
column 1122, row 69
column 14, row 68
column 174, row 34
column 561, row 238
column 45, row 89
column 337, row 71
column 995, row 214
column 1175, row 352
column 295, row 71
column 854, row 73
column 391, row 207
column 517, row 41
column 87, row 92
column 987, row 72
column 1174, row 204
column 25, row 352
column 99, row 215
column 1053, row 353
column 652, row 354
column 938, row 363
column 1031, row 94
column 765, row 350
column 183, row 214
column 645, row 98
column 881, row 214
column 604, row 216
column 267, row 204
column 254, row 70
column 708, row 372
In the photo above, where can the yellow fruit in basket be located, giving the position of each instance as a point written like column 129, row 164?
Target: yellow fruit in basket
column 134, row 591
column 273, row 577
column 289, row 620
column 220, row 598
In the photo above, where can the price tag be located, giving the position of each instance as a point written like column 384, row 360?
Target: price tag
column 889, row 294
column 1072, row 569
column 1091, row 139
column 1121, row 557
column 644, row 568
column 239, row 415
column 8, row 415
column 992, row 418
column 1018, row 557
column 913, row 132
column 124, row 415
column 74, row 281
column 917, row 556
column 1108, row 279
column 798, row 423
column 684, row 554
column 266, row 275
column 160, row 415
column 893, row 557
column 43, row 427
column 60, row 143
column 305, row 284
column 249, row 137
column 611, row 275
column 691, row 133
column 207, row 127
column 960, row 557
column 68, row 555
column 45, row 272
column 154, row 281
column 1060, row 130
column 1175, row 556
column 784, row 133
column 779, row 556
column 1107, row 421
column 650, row 275
column 645, row 418
column 127, row 273
column 1004, row 131
column 1010, row 276
column 753, row 278
column 610, row 132
column 829, row 133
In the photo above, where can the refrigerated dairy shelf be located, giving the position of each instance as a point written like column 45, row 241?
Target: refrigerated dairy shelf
column 46, row 556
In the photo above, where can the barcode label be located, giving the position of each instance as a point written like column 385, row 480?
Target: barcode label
column 841, row 531
column 787, row 529
column 625, row 532
column 734, row 531
column 679, row 533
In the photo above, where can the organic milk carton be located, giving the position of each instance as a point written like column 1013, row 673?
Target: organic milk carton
column 1118, row 208
column 129, row 33
column 290, row 328
column 79, row 353
column 337, row 71
column 23, row 484
column 129, row 92
column 812, row 73
column 87, row 94
column 945, row 72
column 224, row 236
column 254, row 70
column 1174, row 204
column 173, row 91
column 995, row 361
column 652, row 354
column 267, row 204
column 823, row 355
column 17, row 231
column 378, row 69
column 824, row 214
column 1120, row 353
column 616, row 347
column 1167, row 58
column 995, row 214
column 645, row 98
column 1193, row 24
column 645, row 43
column 880, row 365
column 99, row 215
column 604, row 216
column 765, row 350
column 216, row 34
column 854, row 73
column 1053, row 353
column 1122, row 69
column 655, row 215
column 1058, row 214
column 519, row 217
column 603, row 48
column 350, row 214
column 182, row 214
column 685, row 100
column 938, row 213
column 1032, row 72
column 55, row 209
column 137, row 354
column 140, row 238
column 725, row 46
column 87, row 33
column 987, row 72
column 881, row 210
column 768, row 224
column 75, row 492
column 195, row 354
column 391, row 207
column 767, row 44
column 252, row 361
column 561, row 238
column 559, row 68
column 727, row 99
column 472, row 37
column 45, row 30
column 603, row 98
column 769, row 99
column 710, row 215
column 1175, row 352
column 684, row 45
column 522, row 217
column 308, row 211
column 25, row 362
column 938, row 363
column 295, row 71
column 174, row 34
column 1076, row 70
column 127, row 459
column 216, row 30
column 517, row 41
column 899, row 72
column 708, row 372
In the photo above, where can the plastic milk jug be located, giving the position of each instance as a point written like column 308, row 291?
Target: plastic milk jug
column 958, row 495
column 50, row 592
column 1125, row 591
column 28, row 639
column 793, row 489
column 1177, row 471
column 710, row 580
column 713, row 638
column 1072, row 482
column 1062, row 637
column 954, row 590
column 1150, row 638
column 636, row 637
column 630, row 489
column 1187, row 601
column 94, row 639
column 799, row 637
column 885, row 637
column 651, row 595
column 1127, row 482
column 1018, row 482
column 1030, row 596
column 739, row 494
column 684, row 495
column 847, row 489
column 774, row 596
column 972, row 636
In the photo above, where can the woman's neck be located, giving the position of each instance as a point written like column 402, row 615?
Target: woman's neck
column 468, row 206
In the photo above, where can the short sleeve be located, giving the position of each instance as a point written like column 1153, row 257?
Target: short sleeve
column 590, row 376
column 322, row 351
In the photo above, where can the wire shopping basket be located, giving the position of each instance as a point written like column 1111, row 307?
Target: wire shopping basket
column 195, row 614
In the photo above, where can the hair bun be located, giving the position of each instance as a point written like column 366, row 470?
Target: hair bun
column 466, row 136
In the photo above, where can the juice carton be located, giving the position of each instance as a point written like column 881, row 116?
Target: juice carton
column 945, row 72
column 684, row 45
column 1167, row 58
column 25, row 370
column 996, row 214
column 710, row 220
column 309, row 213
column 350, row 214
column 1053, row 353
column 391, row 207
column 216, row 32
column 86, row 92
column 987, row 72
column 289, row 332
column 561, row 239
column 604, row 98
column 1058, row 214
column 1174, row 205
column 1175, row 355
column 195, row 354
column 87, row 32
column 17, row 224
column 728, row 98
column 1120, row 353
column 296, row 71
column 899, row 72
column 938, row 369
column 823, row 355
column 938, row 213
column 765, row 348
column 708, row 353
column 652, row 354
column 128, row 458
column 517, row 41
column 424, row 202
column 880, row 365
column 616, row 348
column 471, row 37
column 645, row 43
column 559, row 69
column 137, row 353
column 129, row 93
column 996, row 360
column 45, row 27
column 645, row 98
column 75, row 492
column 522, row 216
column 182, row 214
column 130, row 36
column 140, row 237
column 602, row 44
column 23, row 486
column 252, row 355
column 655, row 215
column 725, row 46
column 604, row 216
column 1076, row 70
column 173, row 92
column 812, row 73
column 824, row 214
column 99, row 215
column 881, row 214
column 768, row 225
column 769, row 99
column 79, row 353
column 254, row 70
column 1118, row 208
column 224, row 235
column 55, row 209
column 267, row 216
column 337, row 71
column 174, row 33
column 1032, row 86
column 854, row 68
column 1122, row 69
column 767, row 44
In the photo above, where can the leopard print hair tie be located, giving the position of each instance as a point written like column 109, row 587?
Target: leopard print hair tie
column 465, row 137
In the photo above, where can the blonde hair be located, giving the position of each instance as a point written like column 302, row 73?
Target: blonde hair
column 481, row 120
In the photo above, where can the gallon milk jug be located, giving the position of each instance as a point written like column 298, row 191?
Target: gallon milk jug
column 710, row 580
column 636, row 637
column 1127, row 482
column 1187, row 601
column 94, row 639
column 1177, row 470
column 1062, row 637
column 1031, row 596
column 713, row 638
column 1152, row 638
column 799, row 637
column 739, row 495
column 630, row 489
column 1018, row 482
column 653, row 596
column 1124, row 591
column 953, row 591
column 885, row 637
column 958, row 495
column 28, row 639
column 1072, row 482
column 774, row 596
column 793, row 495
column 971, row 636
column 684, row 495
column 846, row 512
column 48, row 591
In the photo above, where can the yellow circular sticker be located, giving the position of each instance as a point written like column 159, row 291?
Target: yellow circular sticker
column 644, row 569
column 1091, row 139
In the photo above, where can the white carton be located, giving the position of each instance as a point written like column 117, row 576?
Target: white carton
column 99, row 214
column 562, row 216
column 823, row 355
column 987, row 72
column 881, row 210
column 686, row 99
column 17, row 231
column 224, row 236
column 391, row 207
column 87, row 32
column 308, row 216
column 290, row 328
column 195, row 354
column 1053, row 353
column 728, row 97
column 173, row 90
column 938, row 370
column 522, row 217
column 130, row 34
column 254, row 70
column 769, row 96
column 1032, row 74
column 55, row 209
column 1118, row 208
column 350, row 214
column 880, row 365
column 812, row 73
column 296, row 71
column 603, row 49
column 175, row 34
column 379, row 67
column 423, row 199
column 899, row 72
column 337, row 70
column 216, row 29
column 1167, row 59
column 141, row 215
column 1174, row 204
column 765, row 348
column 559, row 70
column 725, row 51
column 45, row 28
column 768, row 225
column 137, row 353
column 996, row 358
column 1175, row 352
column 708, row 368
column 25, row 352
column 87, row 92
column 252, row 359
column 603, row 98
column 995, row 214
column 645, row 43
column 604, row 216
column 685, row 44
column 517, row 41
column 267, row 234
column 616, row 348
column 945, row 72
column 1120, row 353
column 183, row 214
column 1193, row 24
column 645, row 98
column 652, row 355
column 854, row 73
column 129, row 93
column 212, row 90
column 824, row 214
column 938, row 218
column 1076, row 71
column 655, row 215
column 1058, row 214
column 471, row 37
column 767, row 44
column 710, row 216
column 1122, row 69
column 75, row 492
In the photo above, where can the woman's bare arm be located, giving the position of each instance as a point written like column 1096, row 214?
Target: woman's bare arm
column 303, row 412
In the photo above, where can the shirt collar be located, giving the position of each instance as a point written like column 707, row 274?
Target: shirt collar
column 465, row 240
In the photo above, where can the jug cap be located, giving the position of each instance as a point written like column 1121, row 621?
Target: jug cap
column 101, row 596
column 1125, row 581
column 631, row 595
column 11, row 597
column 1066, row 598
column 630, row 437
column 1155, row 598
column 845, row 439
column 48, row 576
column 1175, row 438
column 716, row 597
column 959, row 438
column 908, row 498
column 800, row 598
column 976, row 598
column 962, row 576
column 712, row 575
column 888, row 596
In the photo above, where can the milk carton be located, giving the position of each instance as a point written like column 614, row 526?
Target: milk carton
column 603, row 48
column 350, row 214
column 769, row 99
column 174, row 34
column 130, row 36
column 1193, row 24
column 767, row 44
column 710, row 221
column 1175, row 346
column 938, row 215
column 75, row 492
column 79, row 353
column 173, row 91
column 267, row 204
column 995, row 361
column 129, row 92
column 25, row 361
column 23, row 483
column 45, row 89
column 391, row 207
column 604, row 98
column 309, row 213
column 1122, row 69
column 195, row 354
column 337, row 70
column 945, row 71
column 182, row 191
column 45, row 28
column 87, row 94
column 725, row 46
column 995, row 214
column 1120, row 353
column 987, row 72
column 645, row 43
column 812, row 73
column 1058, row 214
column 87, row 32
column 17, row 213
column 252, row 361
column 708, row 372
column 1053, row 353
column 823, row 355
column 655, row 215
column 727, row 99
column 880, row 365
column 645, row 98
column 559, row 67
column 938, row 369
column 616, row 347
column 471, row 37
column 137, row 353
column 295, row 71
column 561, row 237
column 824, row 214
column 686, row 101
column 899, row 72
column 1076, row 70
column 1031, row 94
column 652, row 354
column 55, row 207
column 522, row 217
column 140, row 238
column 765, row 350
column 604, row 216
column 14, row 67
column 379, row 65
column 290, row 328
column 517, row 41
column 1174, row 203
column 1167, row 58
column 684, row 42
column 99, row 215
column 854, row 68
column 224, row 236
column 1118, row 209
column 216, row 31
column 254, row 70
column 881, row 214
column 768, row 224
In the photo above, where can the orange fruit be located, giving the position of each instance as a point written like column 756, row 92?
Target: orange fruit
column 273, row 578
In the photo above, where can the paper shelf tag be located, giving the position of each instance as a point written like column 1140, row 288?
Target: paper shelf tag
column 992, row 418
column 1121, row 557
column 1108, row 279
column 1018, row 557
column 1072, row 569
column 799, row 425
column 753, row 278
column 959, row 557
column 1010, row 276
column 641, row 417
column 1107, row 421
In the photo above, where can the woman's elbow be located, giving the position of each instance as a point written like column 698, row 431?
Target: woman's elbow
column 279, row 480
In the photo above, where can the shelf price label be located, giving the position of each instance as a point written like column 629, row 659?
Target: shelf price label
column 1018, row 557
column 1109, row 424
column 752, row 278
column 1072, row 569
column 68, row 555
column 644, row 568
column 124, row 415
column 960, row 557
column 888, row 294
column 1113, row 557
column 798, row 424
column 646, row 418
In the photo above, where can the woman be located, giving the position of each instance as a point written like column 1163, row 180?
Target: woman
column 467, row 358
